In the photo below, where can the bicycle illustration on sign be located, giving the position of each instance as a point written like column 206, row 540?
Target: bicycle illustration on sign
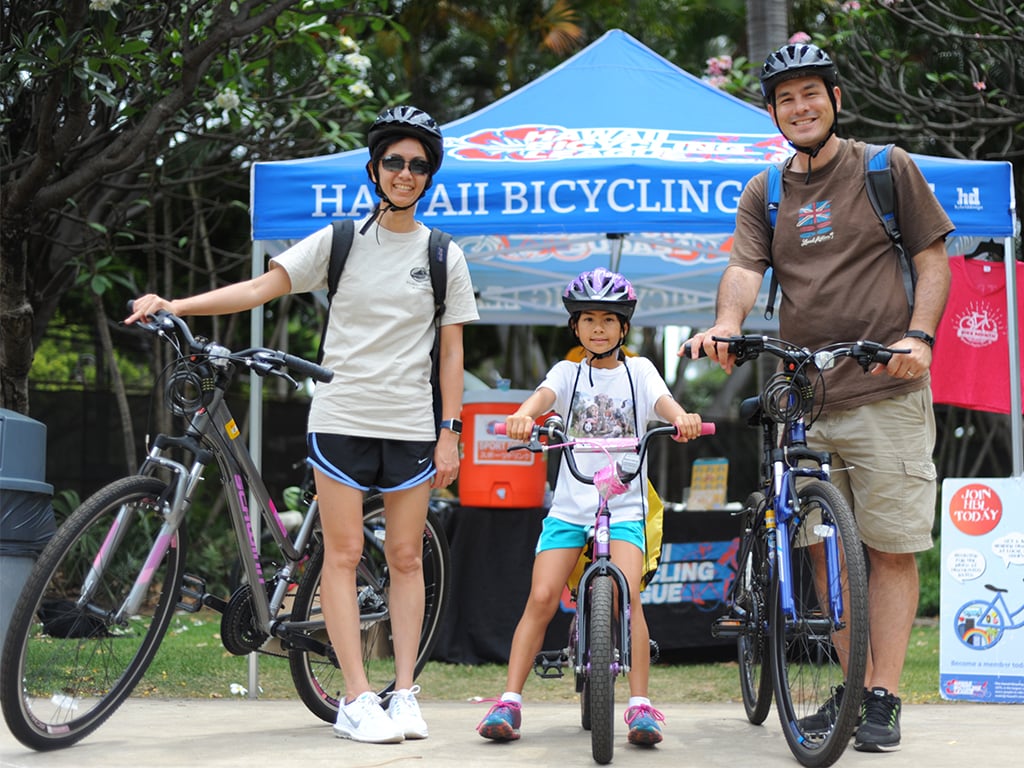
column 980, row 624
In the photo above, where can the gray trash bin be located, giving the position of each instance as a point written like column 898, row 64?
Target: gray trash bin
column 27, row 521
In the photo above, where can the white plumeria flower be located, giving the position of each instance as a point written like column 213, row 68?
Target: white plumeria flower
column 357, row 61
column 228, row 100
column 102, row 5
column 360, row 89
column 347, row 43
column 238, row 690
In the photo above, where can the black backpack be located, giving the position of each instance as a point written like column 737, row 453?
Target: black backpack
column 437, row 249
column 881, row 193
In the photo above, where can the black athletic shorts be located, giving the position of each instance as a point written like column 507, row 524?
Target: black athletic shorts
column 372, row 462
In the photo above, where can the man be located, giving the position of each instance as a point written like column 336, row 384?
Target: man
column 842, row 281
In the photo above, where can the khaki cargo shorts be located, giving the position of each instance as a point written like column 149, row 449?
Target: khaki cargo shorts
column 882, row 464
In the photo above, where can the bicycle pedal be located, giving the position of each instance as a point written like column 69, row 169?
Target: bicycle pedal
column 549, row 664
column 727, row 626
column 193, row 589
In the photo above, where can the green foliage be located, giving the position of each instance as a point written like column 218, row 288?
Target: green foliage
column 929, row 566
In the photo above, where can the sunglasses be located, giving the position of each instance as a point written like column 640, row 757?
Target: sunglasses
column 395, row 164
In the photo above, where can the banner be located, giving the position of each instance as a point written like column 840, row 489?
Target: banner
column 981, row 636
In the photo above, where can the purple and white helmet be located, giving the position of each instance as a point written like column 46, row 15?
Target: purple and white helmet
column 600, row 290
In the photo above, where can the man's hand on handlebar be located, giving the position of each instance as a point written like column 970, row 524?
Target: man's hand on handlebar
column 704, row 342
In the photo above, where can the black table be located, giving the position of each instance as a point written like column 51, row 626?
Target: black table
column 492, row 554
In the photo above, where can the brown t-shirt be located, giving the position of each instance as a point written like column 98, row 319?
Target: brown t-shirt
column 839, row 277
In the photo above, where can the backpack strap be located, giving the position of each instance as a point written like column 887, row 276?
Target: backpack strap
column 772, row 196
column 882, row 194
column 437, row 256
column 341, row 243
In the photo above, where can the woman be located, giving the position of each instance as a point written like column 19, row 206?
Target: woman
column 373, row 426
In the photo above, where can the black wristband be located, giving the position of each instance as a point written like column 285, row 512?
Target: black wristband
column 926, row 338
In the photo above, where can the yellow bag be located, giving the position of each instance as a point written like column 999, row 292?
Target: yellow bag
column 654, row 529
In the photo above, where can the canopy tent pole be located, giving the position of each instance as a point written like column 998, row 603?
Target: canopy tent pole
column 255, row 439
column 1013, row 333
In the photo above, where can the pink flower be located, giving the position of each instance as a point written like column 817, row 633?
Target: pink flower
column 800, row 37
column 980, row 85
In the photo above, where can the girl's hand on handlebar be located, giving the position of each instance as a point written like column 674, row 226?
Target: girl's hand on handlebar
column 688, row 427
column 519, row 426
column 147, row 306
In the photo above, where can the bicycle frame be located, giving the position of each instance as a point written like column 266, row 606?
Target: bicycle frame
column 602, row 565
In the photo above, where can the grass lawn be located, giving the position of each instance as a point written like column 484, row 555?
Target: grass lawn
column 192, row 663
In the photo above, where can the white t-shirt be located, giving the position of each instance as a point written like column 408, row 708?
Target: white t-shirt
column 599, row 402
column 381, row 330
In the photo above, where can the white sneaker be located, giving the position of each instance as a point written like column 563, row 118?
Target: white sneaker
column 404, row 711
column 365, row 720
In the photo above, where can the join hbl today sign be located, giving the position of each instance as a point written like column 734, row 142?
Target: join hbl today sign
column 981, row 640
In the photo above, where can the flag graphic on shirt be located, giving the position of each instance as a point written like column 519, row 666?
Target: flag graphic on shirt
column 815, row 219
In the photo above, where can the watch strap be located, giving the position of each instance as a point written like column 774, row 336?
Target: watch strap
column 920, row 335
column 453, row 425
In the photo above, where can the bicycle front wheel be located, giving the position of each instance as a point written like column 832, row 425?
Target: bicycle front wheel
column 317, row 679
column 753, row 581
column 68, row 661
column 818, row 658
column 603, row 668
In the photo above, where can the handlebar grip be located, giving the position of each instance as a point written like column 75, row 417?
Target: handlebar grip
column 700, row 353
column 707, row 428
column 306, row 368
column 496, row 428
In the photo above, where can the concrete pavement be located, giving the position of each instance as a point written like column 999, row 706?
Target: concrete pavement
column 237, row 732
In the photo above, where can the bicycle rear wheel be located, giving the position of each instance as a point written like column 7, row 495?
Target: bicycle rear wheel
column 317, row 679
column 603, row 668
column 69, row 666
column 811, row 662
column 753, row 581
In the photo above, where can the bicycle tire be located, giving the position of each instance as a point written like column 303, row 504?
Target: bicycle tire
column 753, row 581
column 317, row 679
column 806, row 657
column 603, row 666
column 67, row 669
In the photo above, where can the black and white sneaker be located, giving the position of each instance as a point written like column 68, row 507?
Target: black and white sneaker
column 879, row 730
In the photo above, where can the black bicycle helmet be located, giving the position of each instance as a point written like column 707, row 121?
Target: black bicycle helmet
column 399, row 122
column 796, row 60
column 600, row 290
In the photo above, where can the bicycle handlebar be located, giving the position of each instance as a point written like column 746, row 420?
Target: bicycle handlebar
column 625, row 470
column 260, row 360
column 750, row 346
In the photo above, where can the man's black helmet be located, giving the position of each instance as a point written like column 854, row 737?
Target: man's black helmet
column 406, row 121
column 796, row 60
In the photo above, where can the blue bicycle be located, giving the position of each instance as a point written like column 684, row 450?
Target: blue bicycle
column 798, row 607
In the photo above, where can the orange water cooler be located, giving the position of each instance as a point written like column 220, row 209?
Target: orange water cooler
column 490, row 475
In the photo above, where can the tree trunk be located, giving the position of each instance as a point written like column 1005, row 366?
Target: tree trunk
column 767, row 27
column 16, row 315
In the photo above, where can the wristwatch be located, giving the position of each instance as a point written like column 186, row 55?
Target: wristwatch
column 455, row 425
column 922, row 336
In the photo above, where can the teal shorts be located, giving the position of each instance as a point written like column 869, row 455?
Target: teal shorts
column 558, row 534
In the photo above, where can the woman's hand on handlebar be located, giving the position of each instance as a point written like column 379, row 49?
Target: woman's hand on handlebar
column 519, row 426
column 147, row 306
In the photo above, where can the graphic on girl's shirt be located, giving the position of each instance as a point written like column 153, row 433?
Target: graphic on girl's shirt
column 601, row 416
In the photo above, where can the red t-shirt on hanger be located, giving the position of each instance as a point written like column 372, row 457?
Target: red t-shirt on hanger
column 971, row 364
